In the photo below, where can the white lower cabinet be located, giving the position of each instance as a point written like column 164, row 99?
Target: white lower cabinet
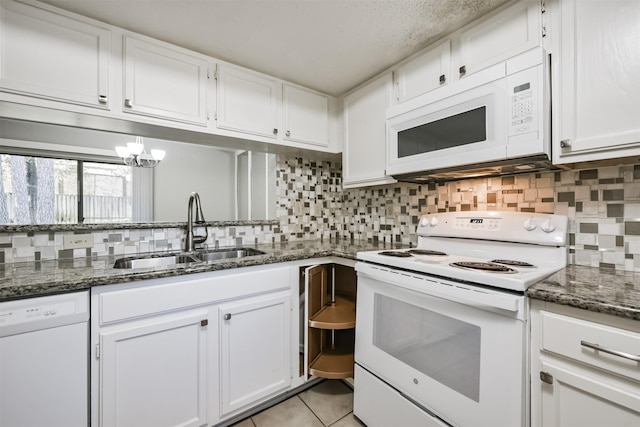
column 255, row 351
column 190, row 351
column 585, row 369
column 153, row 372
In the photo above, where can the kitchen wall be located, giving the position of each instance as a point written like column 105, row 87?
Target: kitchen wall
column 603, row 206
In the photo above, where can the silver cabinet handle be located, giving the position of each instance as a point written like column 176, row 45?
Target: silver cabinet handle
column 227, row 316
column 128, row 103
column 288, row 133
column 546, row 377
column 565, row 143
column 622, row 354
column 102, row 99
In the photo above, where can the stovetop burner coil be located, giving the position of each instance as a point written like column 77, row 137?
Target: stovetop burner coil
column 483, row 266
column 396, row 254
column 512, row 263
column 426, row 252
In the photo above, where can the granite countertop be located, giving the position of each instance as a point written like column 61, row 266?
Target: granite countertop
column 39, row 278
column 595, row 289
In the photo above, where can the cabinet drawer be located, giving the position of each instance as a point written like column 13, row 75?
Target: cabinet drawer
column 574, row 338
column 168, row 295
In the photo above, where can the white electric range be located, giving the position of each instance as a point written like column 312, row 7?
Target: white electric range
column 442, row 333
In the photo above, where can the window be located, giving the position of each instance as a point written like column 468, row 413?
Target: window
column 37, row 190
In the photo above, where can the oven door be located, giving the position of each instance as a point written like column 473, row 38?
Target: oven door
column 463, row 361
column 469, row 127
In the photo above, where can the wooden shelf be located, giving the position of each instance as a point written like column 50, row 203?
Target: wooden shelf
column 333, row 364
column 339, row 315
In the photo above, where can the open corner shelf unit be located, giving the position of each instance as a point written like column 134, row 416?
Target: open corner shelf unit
column 330, row 320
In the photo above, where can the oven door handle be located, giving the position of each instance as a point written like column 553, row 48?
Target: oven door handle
column 469, row 295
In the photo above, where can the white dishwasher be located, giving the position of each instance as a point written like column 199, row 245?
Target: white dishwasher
column 44, row 361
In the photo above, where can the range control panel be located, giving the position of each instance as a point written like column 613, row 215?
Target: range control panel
column 518, row 227
column 477, row 223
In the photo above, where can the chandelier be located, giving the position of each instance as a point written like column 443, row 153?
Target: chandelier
column 134, row 154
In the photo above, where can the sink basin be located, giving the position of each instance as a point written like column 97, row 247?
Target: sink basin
column 155, row 261
column 165, row 261
column 218, row 254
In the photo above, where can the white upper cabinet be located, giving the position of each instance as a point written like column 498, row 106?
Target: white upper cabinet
column 489, row 41
column 164, row 82
column 424, row 73
column 364, row 155
column 50, row 56
column 247, row 101
column 497, row 37
column 305, row 115
column 596, row 83
column 257, row 104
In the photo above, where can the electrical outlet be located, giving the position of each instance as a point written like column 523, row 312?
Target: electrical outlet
column 75, row 241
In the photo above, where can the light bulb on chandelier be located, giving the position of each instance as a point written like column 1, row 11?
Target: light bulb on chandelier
column 134, row 154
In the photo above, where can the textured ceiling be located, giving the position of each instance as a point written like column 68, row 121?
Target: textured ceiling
column 328, row 45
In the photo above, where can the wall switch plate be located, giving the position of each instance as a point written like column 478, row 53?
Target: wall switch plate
column 75, row 241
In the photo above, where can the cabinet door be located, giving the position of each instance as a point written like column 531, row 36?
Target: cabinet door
column 164, row 82
column 598, row 81
column 305, row 116
column 583, row 397
column 512, row 31
column 365, row 145
column 247, row 102
column 47, row 55
column 255, row 349
column 425, row 73
column 153, row 373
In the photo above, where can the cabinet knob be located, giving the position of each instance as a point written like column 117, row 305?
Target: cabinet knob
column 443, row 79
column 204, row 322
column 227, row 316
column 288, row 133
column 102, row 99
column 275, row 131
column 463, row 70
column 565, row 143
column 128, row 103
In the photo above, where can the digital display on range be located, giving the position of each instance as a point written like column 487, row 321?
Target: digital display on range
column 476, row 221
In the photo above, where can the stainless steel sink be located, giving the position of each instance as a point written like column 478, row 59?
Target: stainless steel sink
column 155, row 261
column 218, row 254
column 167, row 261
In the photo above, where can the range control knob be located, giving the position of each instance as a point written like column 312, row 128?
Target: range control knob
column 547, row 226
column 433, row 222
column 529, row 224
column 424, row 221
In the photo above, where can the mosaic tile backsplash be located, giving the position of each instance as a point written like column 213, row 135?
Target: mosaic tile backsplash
column 603, row 206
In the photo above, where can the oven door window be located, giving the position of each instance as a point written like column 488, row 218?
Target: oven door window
column 439, row 346
column 453, row 131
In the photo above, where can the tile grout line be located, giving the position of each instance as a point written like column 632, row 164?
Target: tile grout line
column 312, row 411
column 340, row 419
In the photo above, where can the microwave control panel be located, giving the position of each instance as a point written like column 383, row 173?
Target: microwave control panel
column 521, row 107
column 524, row 102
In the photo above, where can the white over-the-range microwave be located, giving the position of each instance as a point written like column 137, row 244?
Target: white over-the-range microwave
column 493, row 122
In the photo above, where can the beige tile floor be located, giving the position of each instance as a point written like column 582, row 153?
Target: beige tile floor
column 329, row 403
